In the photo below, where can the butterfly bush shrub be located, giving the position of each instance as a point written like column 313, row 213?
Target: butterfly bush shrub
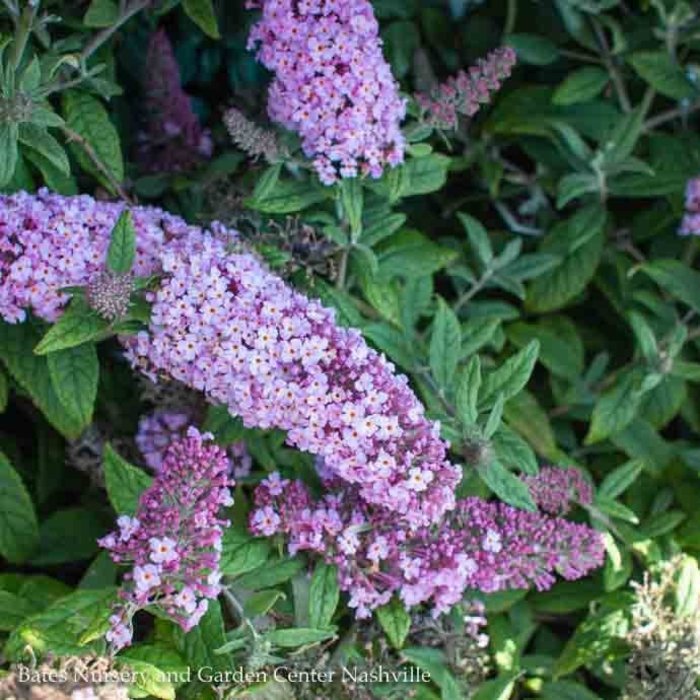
column 349, row 349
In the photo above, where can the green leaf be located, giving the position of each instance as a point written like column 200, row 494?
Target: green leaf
column 85, row 115
column 297, row 636
column 198, row 646
column 579, row 241
column 513, row 452
column 125, row 482
column 77, row 325
column 468, row 385
column 262, row 602
column 420, row 175
column 615, row 409
column 395, row 621
column 9, row 152
column 4, row 391
column 615, row 509
column 287, row 197
column 13, row 609
column 621, row 478
column 506, row 486
column 567, row 690
column 511, row 377
column 150, row 680
column 122, row 245
column 445, row 343
column 533, row 49
column 662, row 523
column 581, row 85
column 678, row 279
column 352, row 198
column 59, row 628
column 201, row 12
column 401, row 39
column 74, row 376
column 68, row 535
column 242, row 553
column 661, row 72
column 271, row 574
column 101, row 13
column 32, row 374
column 411, row 254
column 37, row 138
column 324, row 595
column 596, row 638
column 500, row 688
column 478, row 238
column 494, row 420
column 19, row 532
column 688, row 588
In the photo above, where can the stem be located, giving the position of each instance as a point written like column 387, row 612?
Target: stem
column 609, row 61
column 670, row 115
column 23, row 28
column 691, row 251
column 476, row 288
column 127, row 12
column 511, row 17
column 343, row 268
column 75, row 137
column 234, row 605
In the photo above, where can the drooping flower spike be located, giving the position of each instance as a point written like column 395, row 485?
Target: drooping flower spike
column 223, row 324
column 173, row 542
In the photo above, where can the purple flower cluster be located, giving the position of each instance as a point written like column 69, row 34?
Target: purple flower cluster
column 173, row 542
column 481, row 545
column 158, row 429
column 556, row 490
column 48, row 242
column 332, row 84
column 467, row 91
column 223, row 324
column 173, row 139
column 690, row 226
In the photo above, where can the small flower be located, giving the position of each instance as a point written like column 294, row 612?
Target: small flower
column 146, row 577
column 163, row 550
column 265, row 521
column 187, row 600
column 127, row 527
column 492, row 542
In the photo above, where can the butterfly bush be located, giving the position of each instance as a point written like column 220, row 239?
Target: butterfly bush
column 481, row 545
column 331, row 84
column 173, row 139
column 173, row 542
column 690, row 226
column 224, row 325
column 468, row 90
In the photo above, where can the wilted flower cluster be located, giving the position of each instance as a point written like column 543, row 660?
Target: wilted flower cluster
column 481, row 545
column 690, row 226
column 468, row 90
column 173, row 139
column 332, row 84
column 251, row 138
column 556, row 490
column 665, row 659
column 109, row 294
column 173, row 542
column 158, row 429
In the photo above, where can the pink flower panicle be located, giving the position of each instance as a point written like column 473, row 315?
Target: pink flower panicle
column 173, row 139
column 173, row 542
column 556, row 490
column 468, row 90
column 224, row 325
column 480, row 545
column 158, row 429
column 690, row 226
column 332, row 84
